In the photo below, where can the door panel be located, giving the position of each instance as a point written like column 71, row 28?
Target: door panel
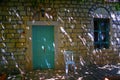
column 43, row 47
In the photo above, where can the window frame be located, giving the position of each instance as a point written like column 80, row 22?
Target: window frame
column 101, row 33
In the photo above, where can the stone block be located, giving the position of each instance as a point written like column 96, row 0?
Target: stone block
column 12, row 31
column 4, row 13
column 11, row 49
column 22, row 13
column 56, row 6
column 12, row 40
column 1, row 45
column 20, row 45
column 22, row 40
column 10, row 45
column 28, row 4
column 5, row 40
column 25, row 18
column 67, row 44
column 57, row 1
column 9, row 36
column 74, row 2
column 18, row 4
column 69, row 30
column 73, row 34
column 9, row 58
column 17, row 35
column 13, row 22
column 76, row 30
column 21, row 57
column 12, row 63
column 21, row 8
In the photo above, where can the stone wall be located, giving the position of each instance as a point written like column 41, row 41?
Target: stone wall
column 75, row 30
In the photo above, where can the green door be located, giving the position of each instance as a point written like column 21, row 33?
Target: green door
column 43, row 47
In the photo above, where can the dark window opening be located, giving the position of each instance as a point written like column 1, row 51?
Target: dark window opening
column 101, row 33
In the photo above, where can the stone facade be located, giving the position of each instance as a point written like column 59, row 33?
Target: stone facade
column 75, row 17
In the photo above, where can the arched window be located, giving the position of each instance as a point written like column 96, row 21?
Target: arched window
column 101, row 32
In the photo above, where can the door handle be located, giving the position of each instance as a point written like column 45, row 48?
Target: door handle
column 44, row 49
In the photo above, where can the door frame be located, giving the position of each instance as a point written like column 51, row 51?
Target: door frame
column 29, row 53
